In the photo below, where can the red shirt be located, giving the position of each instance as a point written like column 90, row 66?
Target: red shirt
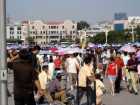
column 112, row 69
column 119, row 62
column 57, row 63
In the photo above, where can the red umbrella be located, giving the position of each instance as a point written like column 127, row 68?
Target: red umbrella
column 53, row 50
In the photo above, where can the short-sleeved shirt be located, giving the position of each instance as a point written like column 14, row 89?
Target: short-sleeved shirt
column 119, row 62
column 111, row 70
column 71, row 64
column 133, row 63
column 54, row 86
column 85, row 72
column 57, row 63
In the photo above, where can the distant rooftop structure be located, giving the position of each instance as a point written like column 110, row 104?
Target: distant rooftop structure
column 120, row 16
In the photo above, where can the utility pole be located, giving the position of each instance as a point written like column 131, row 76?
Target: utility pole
column 133, row 38
column 3, row 64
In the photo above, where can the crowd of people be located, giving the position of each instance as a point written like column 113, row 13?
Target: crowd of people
column 53, row 77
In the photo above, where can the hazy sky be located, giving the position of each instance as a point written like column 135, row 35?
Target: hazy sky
column 89, row 10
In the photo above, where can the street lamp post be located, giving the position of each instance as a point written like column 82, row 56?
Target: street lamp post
column 106, row 36
column 133, row 39
column 3, row 66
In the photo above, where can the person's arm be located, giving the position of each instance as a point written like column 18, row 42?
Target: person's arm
column 106, row 70
column 37, row 83
column 91, row 76
column 77, row 65
column 14, row 57
column 116, row 69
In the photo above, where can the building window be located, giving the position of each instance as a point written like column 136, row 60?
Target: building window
column 11, row 28
column 70, row 32
column 44, row 32
column 33, row 27
column 18, row 32
column 73, row 27
column 12, row 32
column 17, row 37
column 43, row 27
column 63, row 27
column 18, row 28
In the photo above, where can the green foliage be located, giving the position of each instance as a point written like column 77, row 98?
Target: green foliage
column 113, row 37
column 82, row 25
column 137, row 30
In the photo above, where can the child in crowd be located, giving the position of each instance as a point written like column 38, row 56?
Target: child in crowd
column 99, row 90
column 99, row 71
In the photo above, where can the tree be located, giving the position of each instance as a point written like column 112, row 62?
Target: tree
column 113, row 37
column 100, row 38
column 137, row 30
column 82, row 25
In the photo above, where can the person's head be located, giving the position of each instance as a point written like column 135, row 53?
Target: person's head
column 118, row 54
column 57, row 57
column 36, row 49
column 125, row 53
column 132, row 56
column 45, row 68
column 111, row 59
column 24, row 54
column 87, row 60
column 59, row 76
column 51, row 59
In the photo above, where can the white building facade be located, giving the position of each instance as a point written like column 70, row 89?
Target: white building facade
column 43, row 32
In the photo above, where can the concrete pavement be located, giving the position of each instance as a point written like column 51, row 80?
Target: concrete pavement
column 123, row 98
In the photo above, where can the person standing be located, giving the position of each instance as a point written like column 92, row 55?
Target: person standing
column 72, row 68
column 86, row 77
column 111, row 72
column 25, row 77
column 120, row 65
column 33, row 57
column 51, row 67
column 132, row 69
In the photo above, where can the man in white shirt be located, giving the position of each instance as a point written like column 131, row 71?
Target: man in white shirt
column 72, row 67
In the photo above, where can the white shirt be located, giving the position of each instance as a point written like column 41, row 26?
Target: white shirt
column 43, row 79
column 125, row 59
column 51, row 69
column 71, row 65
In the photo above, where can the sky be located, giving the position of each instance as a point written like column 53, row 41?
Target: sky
column 55, row 10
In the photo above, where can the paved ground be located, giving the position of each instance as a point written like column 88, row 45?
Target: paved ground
column 124, row 98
